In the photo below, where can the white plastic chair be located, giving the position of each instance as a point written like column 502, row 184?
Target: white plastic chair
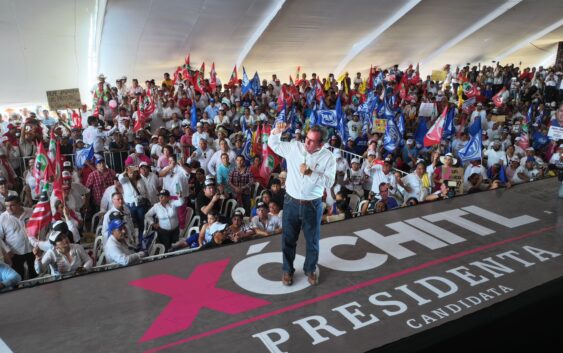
column 96, row 220
column 157, row 249
column 98, row 247
column 358, row 211
column 354, row 200
column 228, row 207
column 239, row 209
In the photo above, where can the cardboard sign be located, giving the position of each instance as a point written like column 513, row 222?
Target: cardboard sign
column 555, row 133
column 380, row 125
column 64, row 98
column 498, row 118
column 455, row 174
column 426, row 109
column 438, row 75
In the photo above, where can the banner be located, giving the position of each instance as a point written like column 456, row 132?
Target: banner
column 498, row 118
column 327, row 117
column 456, row 174
column 426, row 109
column 438, row 75
column 64, row 98
column 555, row 133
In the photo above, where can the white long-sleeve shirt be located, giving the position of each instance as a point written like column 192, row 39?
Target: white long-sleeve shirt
column 130, row 195
column 118, row 252
column 13, row 232
column 167, row 215
column 152, row 182
column 176, row 180
column 215, row 161
column 58, row 263
column 92, row 135
column 322, row 163
column 126, row 217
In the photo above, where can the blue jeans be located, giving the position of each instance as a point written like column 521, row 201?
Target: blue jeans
column 298, row 216
column 138, row 215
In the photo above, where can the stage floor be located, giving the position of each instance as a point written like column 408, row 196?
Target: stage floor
column 384, row 279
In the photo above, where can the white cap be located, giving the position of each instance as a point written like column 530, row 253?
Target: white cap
column 297, row 131
column 409, row 141
column 143, row 164
column 355, row 160
column 372, row 153
column 67, row 164
column 139, row 149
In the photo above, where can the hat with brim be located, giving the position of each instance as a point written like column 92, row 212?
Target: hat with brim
column 164, row 192
column 115, row 224
column 443, row 158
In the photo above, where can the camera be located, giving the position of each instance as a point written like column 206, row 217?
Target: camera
column 451, row 188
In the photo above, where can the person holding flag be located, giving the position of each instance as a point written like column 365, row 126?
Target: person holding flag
column 311, row 169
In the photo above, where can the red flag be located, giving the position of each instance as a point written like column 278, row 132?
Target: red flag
column 281, row 98
column 497, row 99
column 256, row 147
column 202, row 69
column 269, row 158
column 524, row 141
column 213, row 78
column 470, row 90
column 40, row 218
column 187, row 61
column 144, row 109
column 234, row 77
column 297, row 75
column 76, row 119
column 186, row 75
column 434, row 135
column 319, row 90
column 198, row 82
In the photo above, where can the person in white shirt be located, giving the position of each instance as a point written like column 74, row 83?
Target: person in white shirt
column 135, row 196
column 175, row 179
column 416, row 184
column 203, row 154
column 118, row 210
column 526, row 172
column 215, row 160
column 13, row 234
column 95, row 135
column 64, row 257
column 381, row 173
column 265, row 224
column 354, row 126
column 557, row 157
column 116, row 249
column 167, row 224
column 311, row 169
column 199, row 134
column 152, row 182
column 495, row 154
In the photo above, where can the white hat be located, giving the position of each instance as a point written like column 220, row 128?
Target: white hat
column 297, row 131
column 337, row 153
column 67, row 164
column 53, row 236
column 139, row 149
column 216, row 227
column 515, row 159
column 409, row 141
column 355, row 160
column 443, row 158
column 529, row 149
column 372, row 153
column 143, row 164
column 101, row 77
column 561, row 145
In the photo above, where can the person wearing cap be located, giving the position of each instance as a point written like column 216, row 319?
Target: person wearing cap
column 218, row 237
column 116, row 249
column 14, row 236
column 354, row 126
column 117, row 210
column 526, row 171
column 439, row 174
column 167, row 222
column 381, row 173
column 175, row 179
column 67, row 166
column 75, row 195
column 355, row 178
column 106, row 202
column 156, row 148
column 139, row 156
column 208, row 199
column 495, row 154
column 135, row 196
column 199, row 134
column 297, row 136
column 11, row 134
column 221, row 119
column 311, row 169
column 63, row 258
column 479, row 111
column 151, row 180
column 238, row 230
column 557, row 157
column 99, row 180
column 265, row 224
column 530, row 152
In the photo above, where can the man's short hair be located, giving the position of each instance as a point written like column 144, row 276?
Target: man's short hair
column 321, row 130
column 115, row 194
column 13, row 198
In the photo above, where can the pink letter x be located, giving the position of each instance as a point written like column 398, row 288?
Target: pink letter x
column 190, row 295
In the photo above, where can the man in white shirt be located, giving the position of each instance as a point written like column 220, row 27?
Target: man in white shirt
column 215, row 160
column 265, row 224
column 152, row 182
column 13, row 234
column 203, row 154
column 354, row 126
column 116, row 249
column 175, row 179
column 311, row 169
column 95, row 135
column 167, row 224
column 118, row 210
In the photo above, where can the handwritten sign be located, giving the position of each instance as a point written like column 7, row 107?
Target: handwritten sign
column 426, row 109
column 438, row 75
column 380, row 125
column 64, row 98
column 498, row 118
column 455, row 174
column 555, row 133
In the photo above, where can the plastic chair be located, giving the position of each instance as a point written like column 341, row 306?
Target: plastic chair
column 358, row 211
column 157, row 249
column 354, row 200
column 228, row 207
column 96, row 220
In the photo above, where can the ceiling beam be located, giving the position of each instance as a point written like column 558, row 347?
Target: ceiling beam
column 364, row 42
column 271, row 14
column 530, row 39
column 472, row 29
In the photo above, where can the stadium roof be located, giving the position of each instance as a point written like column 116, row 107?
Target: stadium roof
column 60, row 44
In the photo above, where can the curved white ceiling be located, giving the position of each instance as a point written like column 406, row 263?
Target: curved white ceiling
column 59, row 44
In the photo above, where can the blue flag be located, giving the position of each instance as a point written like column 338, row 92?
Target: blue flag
column 311, row 96
column 83, row 155
column 313, row 116
column 247, row 147
column 340, row 119
column 327, row 117
column 281, row 118
column 245, row 82
column 193, row 121
column 530, row 114
column 421, row 130
column 389, row 111
column 401, row 125
column 473, row 150
column 392, row 138
column 449, row 128
column 255, row 84
column 243, row 125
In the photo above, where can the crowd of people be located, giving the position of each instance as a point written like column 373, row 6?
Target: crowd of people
column 147, row 159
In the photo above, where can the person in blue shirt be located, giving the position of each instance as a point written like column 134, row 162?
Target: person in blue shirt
column 48, row 120
column 212, row 110
column 558, row 121
column 8, row 276
column 409, row 152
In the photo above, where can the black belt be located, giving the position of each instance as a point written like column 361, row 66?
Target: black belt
column 301, row 202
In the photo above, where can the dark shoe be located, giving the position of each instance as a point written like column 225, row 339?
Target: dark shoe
column 313, row 278
column 287, row 279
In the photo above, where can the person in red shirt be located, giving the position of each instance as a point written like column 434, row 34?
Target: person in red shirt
column 255, row 170
column 11, row 135
column 99, row 180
